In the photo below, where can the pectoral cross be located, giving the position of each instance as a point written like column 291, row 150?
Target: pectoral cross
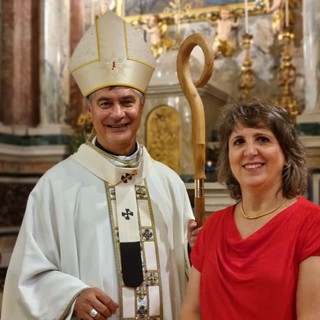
column 128, row 176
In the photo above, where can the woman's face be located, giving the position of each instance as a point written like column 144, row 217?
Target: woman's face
column 256, row 158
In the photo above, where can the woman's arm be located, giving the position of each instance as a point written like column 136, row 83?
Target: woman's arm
column 308, row 290
column 191, row 304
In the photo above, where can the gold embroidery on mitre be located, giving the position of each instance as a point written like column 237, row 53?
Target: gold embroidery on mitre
column 115, row 65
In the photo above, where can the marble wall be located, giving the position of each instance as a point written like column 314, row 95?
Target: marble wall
column 41, row 103
column 37, row 38
column 265, row 53
column 19, row 62
column 35, row 50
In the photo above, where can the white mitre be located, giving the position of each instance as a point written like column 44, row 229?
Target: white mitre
column 112, row 53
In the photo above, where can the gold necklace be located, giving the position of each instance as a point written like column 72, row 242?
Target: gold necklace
column 261, row 215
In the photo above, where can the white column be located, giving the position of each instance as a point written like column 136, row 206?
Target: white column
column 311, row 45
column 1, row 106
column 309, row 120
column 54, row 57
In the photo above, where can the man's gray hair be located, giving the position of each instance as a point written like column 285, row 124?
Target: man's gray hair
column 139, row 93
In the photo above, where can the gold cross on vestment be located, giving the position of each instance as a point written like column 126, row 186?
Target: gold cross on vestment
column 126, row 177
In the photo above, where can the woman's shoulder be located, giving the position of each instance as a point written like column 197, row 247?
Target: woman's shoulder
column 308, row 205
column 306, row 212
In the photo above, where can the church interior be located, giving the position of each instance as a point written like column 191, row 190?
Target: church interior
column 265, row 49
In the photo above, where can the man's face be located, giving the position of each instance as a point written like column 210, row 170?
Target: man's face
column 116, row 116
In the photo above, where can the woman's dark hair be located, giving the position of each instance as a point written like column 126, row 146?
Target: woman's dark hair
column 257, row 114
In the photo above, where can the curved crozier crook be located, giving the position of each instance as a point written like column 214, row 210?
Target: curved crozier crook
column 198, row 117
column 189, row 89
column 183, row 67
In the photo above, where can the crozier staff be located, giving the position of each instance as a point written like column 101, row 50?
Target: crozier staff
column 105, row 231
column 260, row 258
column 189, row 88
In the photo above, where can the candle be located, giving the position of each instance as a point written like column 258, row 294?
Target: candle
column 267, row 6
column 246, row 16
column 92, row 13
column 122, row 8
column 287, row 13
column 101, row 8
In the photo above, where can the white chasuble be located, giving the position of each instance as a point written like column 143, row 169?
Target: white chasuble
column 74, row 225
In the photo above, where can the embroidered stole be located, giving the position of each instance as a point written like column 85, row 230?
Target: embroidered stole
column 144, row 301
column 134, row 232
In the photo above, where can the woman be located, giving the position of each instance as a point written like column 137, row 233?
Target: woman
column 260, row 258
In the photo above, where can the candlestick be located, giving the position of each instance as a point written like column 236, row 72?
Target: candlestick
column 287, row 13
column 246, row 16
column 287, row 78
column 248, row 77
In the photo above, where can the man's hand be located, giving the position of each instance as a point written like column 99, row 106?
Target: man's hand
column 94, row 298
column 193, row 232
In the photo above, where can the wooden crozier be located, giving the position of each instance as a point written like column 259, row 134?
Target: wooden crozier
column 189, row 89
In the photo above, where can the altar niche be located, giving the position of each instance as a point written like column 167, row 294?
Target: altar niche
column 163, row 130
